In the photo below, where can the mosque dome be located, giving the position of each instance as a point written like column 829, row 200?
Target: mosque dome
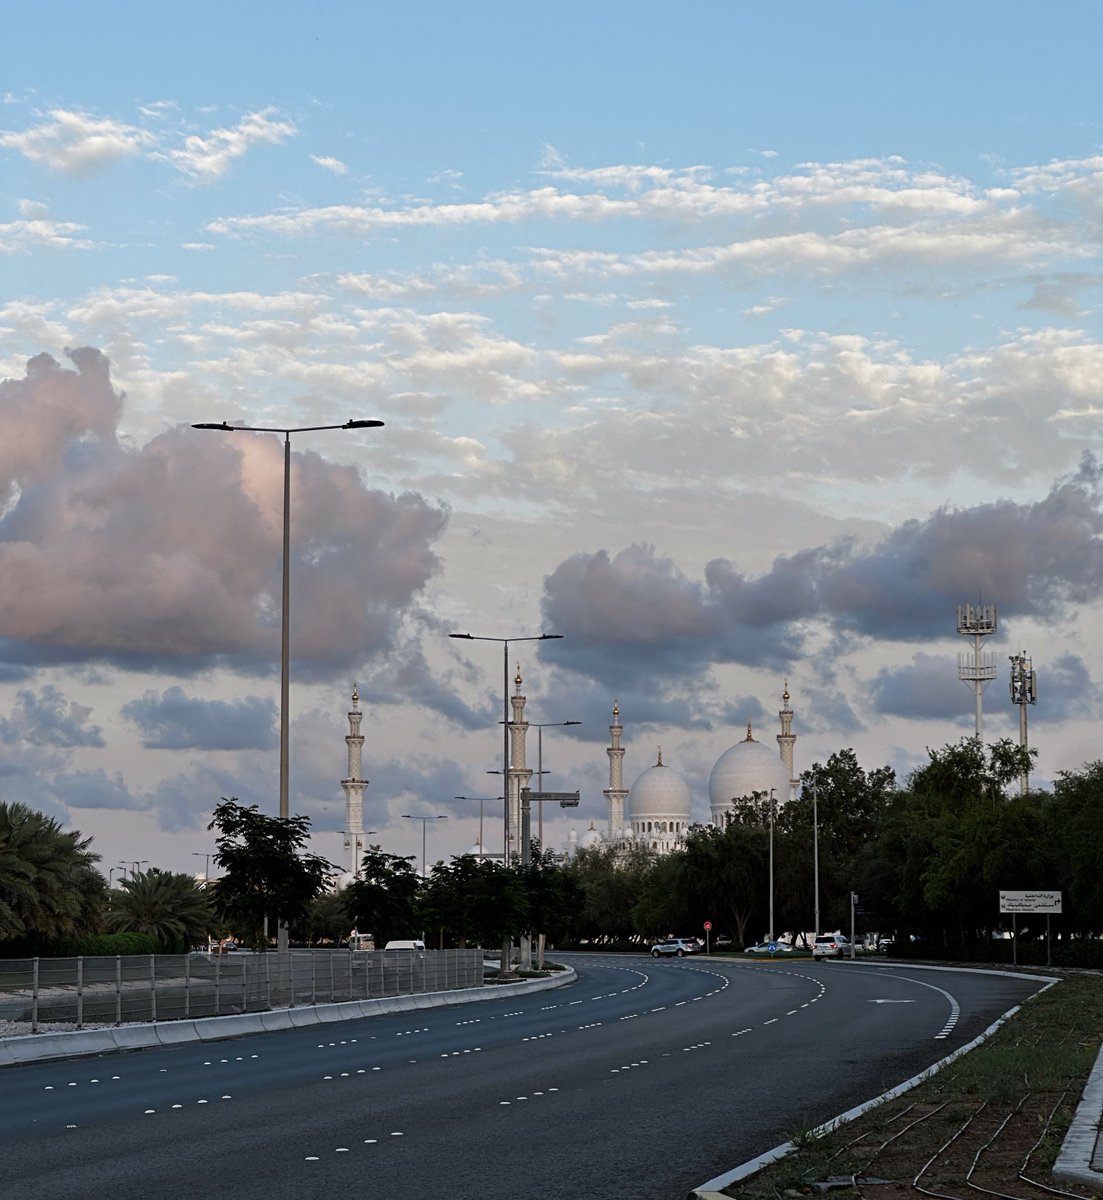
column 745, row 768
column 591, row 838
column 659, row 792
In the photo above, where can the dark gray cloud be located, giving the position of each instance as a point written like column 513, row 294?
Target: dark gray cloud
column 168, row 557
column 46, row 718
column 170, row 720
column 96, row 789
column 927, row 688
column 1065, row 691
column 635, row 618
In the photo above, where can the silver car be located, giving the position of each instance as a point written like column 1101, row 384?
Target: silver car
column 676, row 946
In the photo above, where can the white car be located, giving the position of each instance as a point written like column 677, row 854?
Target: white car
column 831, row 945
column 676, row 946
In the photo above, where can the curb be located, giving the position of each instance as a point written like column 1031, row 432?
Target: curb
column 44, row 1047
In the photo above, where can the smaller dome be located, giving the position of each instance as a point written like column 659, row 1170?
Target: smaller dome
column 659, row 792
column 591, row 838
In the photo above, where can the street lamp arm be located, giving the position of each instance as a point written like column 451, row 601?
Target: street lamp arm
column 227, row 428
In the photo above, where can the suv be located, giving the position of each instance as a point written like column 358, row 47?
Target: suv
column 678, row 946
column 830, row 945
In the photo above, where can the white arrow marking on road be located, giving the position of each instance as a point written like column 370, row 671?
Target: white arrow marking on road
column 892, row 1002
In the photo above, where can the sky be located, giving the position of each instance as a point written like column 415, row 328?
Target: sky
column 736, row 344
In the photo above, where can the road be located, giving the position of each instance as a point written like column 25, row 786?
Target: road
column 643, row 1079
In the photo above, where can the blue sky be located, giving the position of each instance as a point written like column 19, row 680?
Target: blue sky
column 738, row 343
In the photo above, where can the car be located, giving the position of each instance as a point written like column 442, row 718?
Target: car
column 830, row 945
column 884, row 943
column 676, row 946
column 769, row 948
column 722, row 940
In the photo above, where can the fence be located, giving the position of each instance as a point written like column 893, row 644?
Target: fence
column 125, row 989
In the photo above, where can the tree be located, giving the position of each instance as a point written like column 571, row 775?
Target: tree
column 325, row 920
column 386, row 899
column 170, row 907
column 49, row 886
column 1076, row 834
column 267, row 877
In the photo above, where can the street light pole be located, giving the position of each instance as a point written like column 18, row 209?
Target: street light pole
column 816, row 853
column 481, row 800
column 206, row 865
column 285, row 623
column 771, row 937
column 424, row 822
column 506, row 724
column 540, row 770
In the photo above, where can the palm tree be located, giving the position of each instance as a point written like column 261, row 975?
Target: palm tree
column 170, row 907
column 49, row 887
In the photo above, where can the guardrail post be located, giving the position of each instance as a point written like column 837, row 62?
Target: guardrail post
column 34, row 996
column 80, row 991
column 153, row 987
column 118, row 989
column 187, row 986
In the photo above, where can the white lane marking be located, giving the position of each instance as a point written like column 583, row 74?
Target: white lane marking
column 892, row 1002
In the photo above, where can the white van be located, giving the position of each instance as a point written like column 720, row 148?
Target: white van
column 405, row 944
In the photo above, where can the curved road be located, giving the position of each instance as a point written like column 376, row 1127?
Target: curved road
column 643, row 1079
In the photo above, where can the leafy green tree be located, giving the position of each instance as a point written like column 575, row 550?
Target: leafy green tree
column 1076, row 834
column 728, row 871
column 170, row 907
column 325, row 921
column 386, row 899
column 553, row 898
column 267, row 876
column 610, row 882
column 49, row 886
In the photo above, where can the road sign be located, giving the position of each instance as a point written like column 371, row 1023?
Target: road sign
column 565, row 799
column 708, row 926
column 772, row 947
column 1030, row 902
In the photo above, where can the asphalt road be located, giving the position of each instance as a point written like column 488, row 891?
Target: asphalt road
column 644, row 1079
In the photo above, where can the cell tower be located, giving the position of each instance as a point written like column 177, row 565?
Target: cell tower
column 1024, row 691
column 977, row 621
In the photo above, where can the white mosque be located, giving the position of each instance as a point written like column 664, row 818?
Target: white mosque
column 654, row 811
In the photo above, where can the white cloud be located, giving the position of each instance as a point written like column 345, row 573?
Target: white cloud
column 330, row 164
column 77, row 143
column 208, row 159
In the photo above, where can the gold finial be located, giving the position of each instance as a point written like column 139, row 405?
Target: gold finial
column 748, row 738
column 517, row 677
column 785, row 694
column 660, row 762
column 355, row 695
column 616, row 709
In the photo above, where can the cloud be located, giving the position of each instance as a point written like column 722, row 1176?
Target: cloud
column 635, row 617
column 169, row 555
column 927, row 688
column 45, row 718
column 173, row 721
column 330, row 164
column 208, row 159
column 77, row 143
column 38, row 233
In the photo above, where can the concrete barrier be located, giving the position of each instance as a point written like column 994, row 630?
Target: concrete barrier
column 37, row 1047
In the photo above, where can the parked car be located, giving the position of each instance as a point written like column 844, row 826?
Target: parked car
column 884, row 943
column 676, row 946
column 765, row 948
column 830, row 945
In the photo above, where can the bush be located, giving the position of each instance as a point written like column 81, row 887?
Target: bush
column 103, row 945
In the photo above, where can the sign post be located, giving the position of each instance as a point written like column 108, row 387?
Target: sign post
column 708, row 926
column 1015, row 902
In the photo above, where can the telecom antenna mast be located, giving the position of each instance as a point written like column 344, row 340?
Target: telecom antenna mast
column 1024, row 691
column 977, row 621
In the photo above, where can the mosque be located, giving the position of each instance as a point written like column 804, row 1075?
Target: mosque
column 654, row 811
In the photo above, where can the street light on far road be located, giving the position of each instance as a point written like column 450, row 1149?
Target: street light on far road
column 424, row 822
column 285, row 639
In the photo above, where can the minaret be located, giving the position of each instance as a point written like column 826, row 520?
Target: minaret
column 616, row 793
column 354, row 791
column 786, row 740
column 519, row 774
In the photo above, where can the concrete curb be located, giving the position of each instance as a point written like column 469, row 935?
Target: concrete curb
column 1079, row 1160
column 42, row 1047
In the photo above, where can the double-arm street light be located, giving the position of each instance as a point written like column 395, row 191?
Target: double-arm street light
column 285, row 637
column 471, row 637
column 424, row 822
column 206, row 866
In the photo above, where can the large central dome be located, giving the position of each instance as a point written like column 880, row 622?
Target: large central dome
column 745, row 768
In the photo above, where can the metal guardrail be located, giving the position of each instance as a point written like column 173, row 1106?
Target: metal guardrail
column 120, row 989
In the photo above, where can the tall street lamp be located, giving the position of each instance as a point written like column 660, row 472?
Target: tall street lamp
column 424, row 822
column 471, row 637
column 206, row 866
column 285, row 635
column 771, row 937
column 540, row 769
